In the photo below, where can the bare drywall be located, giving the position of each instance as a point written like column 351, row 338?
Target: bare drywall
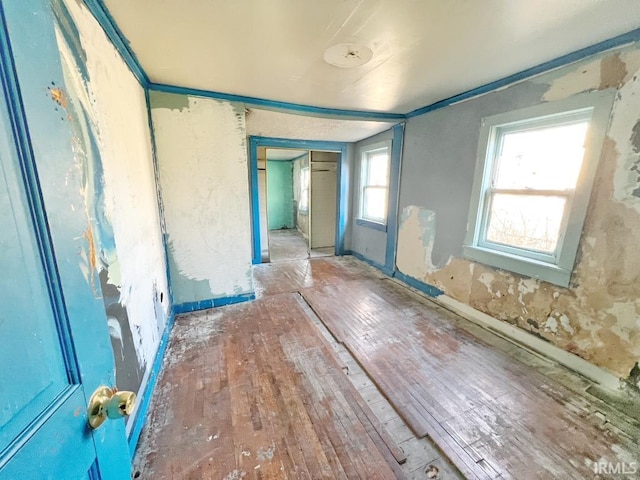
column 107, row 110
column 202, row 159
column 598, row 316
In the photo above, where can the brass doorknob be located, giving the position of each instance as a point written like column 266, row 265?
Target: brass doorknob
column 109, row 403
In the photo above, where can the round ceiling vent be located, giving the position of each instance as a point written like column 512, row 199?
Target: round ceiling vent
column 347, row 55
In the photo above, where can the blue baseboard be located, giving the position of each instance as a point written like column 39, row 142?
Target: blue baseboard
column 417, row 284
column 211, row 303
column 145, row 398
column 379, row 266
column 412, row 282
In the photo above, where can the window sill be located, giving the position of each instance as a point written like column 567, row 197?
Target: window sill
column 521, row 265
column 381, row 227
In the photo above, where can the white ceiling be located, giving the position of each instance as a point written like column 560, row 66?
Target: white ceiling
column 423, row 50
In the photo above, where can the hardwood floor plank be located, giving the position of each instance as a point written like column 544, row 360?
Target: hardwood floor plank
column 491, row 414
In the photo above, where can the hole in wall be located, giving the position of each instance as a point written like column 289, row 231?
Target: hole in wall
column 161, row 296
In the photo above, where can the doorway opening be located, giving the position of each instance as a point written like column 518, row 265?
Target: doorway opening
column 298, row 198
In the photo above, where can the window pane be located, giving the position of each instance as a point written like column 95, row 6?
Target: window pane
column 541, row 158
column 375, row 203
column 378, row 169
column 526, row 221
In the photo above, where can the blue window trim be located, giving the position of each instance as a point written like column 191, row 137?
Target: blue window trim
column 381, row 227
column 343, row 184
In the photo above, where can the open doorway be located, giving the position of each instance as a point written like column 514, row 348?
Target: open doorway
column 298, row 201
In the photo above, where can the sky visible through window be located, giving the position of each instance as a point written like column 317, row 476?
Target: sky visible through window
column 534, row 177
column 374, row 201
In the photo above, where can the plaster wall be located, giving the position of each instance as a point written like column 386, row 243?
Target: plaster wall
column 202, row 160
column 107, row 110
column 598, row 316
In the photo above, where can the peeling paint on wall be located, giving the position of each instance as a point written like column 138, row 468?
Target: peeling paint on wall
column 106, row 109
column 598, row 316
column 202, row 159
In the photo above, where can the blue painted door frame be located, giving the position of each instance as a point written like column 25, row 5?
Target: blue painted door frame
column 343, row 184
column 65, row 354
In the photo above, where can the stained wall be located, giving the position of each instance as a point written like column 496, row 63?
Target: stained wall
column 598, row 316
column 107, row 111
column 203, row 171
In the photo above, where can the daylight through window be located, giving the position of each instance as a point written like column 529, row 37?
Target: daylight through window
column 374, row 183
column 532, row 186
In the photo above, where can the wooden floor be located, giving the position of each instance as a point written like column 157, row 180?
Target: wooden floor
column 289, row 244
column 259, row 390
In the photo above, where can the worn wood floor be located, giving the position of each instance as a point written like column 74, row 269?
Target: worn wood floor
column 263, row 390
column 289, row 244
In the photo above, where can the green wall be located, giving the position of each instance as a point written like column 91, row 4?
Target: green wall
column 280, row 194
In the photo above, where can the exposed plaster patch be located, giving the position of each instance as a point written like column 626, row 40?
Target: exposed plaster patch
column 551, row 325
column 566, row 324
column 583, row 78
column 108, row 114
column 202, row 160
column 612, row 72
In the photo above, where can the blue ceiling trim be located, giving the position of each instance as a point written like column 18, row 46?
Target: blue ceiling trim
column 119, row 41
column 625, row 38
column 108, row 24
column 277, row 105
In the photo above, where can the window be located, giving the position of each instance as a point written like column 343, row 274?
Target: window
column 374, row 184
column 303, row 204
column 532, row 186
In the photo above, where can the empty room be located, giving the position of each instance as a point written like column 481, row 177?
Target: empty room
column 338, row 239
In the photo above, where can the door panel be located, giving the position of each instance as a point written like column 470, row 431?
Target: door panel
column 324, row 190
column 54, row 342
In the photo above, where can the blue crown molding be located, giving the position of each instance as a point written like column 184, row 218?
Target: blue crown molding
column 277, row 105
column 117, row 38
column 625, row 38
column 108, row 24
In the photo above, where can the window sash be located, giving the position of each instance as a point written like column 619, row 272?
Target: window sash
column 546, row 257
column 367, row 185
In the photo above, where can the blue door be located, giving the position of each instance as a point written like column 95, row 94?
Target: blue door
column 54, row 341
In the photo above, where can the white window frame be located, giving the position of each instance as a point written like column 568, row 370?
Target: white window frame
column 557, row 267
column 305, row 178
column 364, row 153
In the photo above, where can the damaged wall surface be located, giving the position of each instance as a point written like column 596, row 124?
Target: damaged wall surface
column 598, row 316
column 107, row 111
column 202, row 160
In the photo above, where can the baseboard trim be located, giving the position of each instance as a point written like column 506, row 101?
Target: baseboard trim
column 520, row 337
column 359, row 256
column 211, row 303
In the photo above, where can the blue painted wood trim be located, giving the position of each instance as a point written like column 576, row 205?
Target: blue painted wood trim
column 278, row 105
column 381, row 227
column 211, row 303
column 117, row 38
column 297, row 144
column 394, row 193
column 145, row 398
column 418, row 285
column 368, row 261
column 255, row 200
column 625, row 38
column 343, row 200
column 25, row 156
